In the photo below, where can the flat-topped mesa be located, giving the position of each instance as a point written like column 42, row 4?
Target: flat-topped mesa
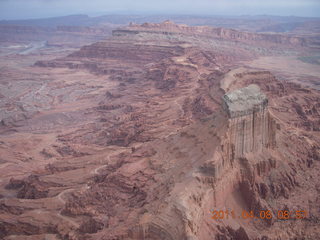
column 218, row 33
column 245, row 101
column 251, row 128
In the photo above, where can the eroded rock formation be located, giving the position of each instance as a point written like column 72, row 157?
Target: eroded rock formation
column 131, row 141
column 170, row 28
column 250, row 125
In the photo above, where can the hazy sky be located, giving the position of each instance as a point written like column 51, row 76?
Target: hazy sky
column 18, row 9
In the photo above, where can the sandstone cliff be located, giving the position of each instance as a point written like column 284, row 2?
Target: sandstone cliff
column 250, row 125
column 168, row 27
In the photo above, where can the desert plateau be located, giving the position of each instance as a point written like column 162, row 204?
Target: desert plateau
column 144, row 128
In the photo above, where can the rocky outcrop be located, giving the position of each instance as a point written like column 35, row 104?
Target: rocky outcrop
column 30, row 188
column 250, row 125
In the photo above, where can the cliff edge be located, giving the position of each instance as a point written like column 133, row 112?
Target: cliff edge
column 250, row 125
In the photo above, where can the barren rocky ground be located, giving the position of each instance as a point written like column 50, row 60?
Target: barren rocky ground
column 127, row 137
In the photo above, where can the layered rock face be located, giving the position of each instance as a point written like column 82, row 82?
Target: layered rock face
column 169, row 27
column 250, row 125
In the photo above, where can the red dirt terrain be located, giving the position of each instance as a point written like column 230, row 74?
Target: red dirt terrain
column 130, row 138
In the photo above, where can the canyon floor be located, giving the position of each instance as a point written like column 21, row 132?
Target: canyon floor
column 124, row 138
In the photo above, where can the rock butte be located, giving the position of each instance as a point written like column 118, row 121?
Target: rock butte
column 251, row 126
